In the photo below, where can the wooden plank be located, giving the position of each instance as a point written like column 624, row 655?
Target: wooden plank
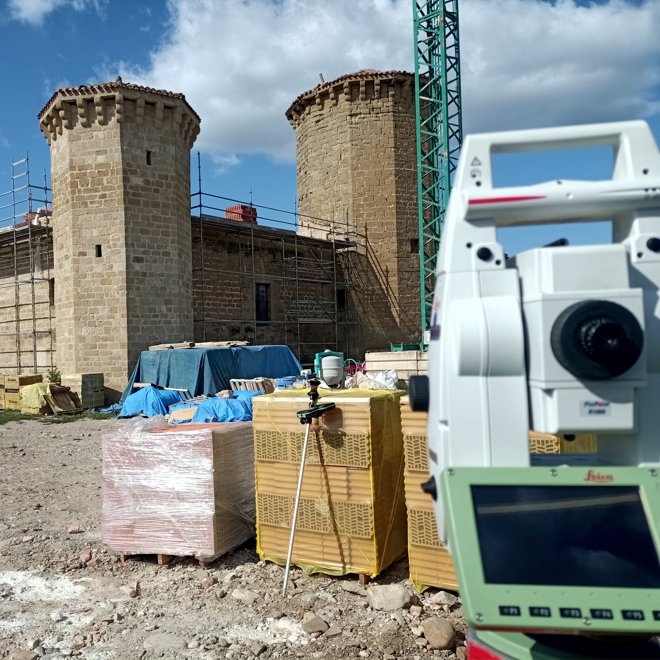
column 167, row 347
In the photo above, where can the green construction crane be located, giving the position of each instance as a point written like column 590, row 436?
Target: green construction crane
column 439, row 129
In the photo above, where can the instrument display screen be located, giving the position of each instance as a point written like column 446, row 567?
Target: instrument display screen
column 581, row 536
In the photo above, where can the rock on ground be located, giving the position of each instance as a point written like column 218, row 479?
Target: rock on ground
column 164, row 643
column 388, row 597
column 439, row 632
column 313, row 623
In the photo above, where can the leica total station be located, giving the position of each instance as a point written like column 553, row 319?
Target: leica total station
column 556, row 555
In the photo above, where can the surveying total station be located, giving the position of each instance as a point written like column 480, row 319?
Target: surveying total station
column 556, row 555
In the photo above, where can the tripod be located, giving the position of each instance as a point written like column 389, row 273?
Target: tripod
column 306, row 416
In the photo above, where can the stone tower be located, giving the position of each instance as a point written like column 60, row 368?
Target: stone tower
column 356, row 162
column 120, row 163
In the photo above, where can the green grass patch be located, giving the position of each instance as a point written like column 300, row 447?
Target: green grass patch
column 7, row 416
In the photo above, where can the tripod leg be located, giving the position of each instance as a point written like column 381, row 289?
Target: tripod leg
column 295, row 508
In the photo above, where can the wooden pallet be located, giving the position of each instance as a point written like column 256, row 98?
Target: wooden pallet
column 163, row 559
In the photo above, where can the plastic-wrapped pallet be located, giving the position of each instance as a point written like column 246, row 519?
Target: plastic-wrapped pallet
column 429, row 561
column 352, row 511
column 178, row 491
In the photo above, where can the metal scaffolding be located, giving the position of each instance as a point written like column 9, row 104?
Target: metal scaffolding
column 25, row 266
column 322, row 263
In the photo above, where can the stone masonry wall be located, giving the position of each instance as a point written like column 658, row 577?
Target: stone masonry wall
column 121, row 224
column 355, row 141
column 34, row 352
column 299, row 275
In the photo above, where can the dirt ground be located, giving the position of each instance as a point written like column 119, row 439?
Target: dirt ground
column 62, row 594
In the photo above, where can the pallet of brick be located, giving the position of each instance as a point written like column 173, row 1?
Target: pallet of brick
column 178, row 491
column 351, row 517
column 88, row 387
column 547, row 443
column 429, row 561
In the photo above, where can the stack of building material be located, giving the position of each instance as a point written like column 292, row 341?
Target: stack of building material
column 178, row 491
column 2, row 392
column 429, row 561
column 547, row 443
column 405, row 363
column 253, row 384
column 12, row 389
column 352, row 511
column 88, row 387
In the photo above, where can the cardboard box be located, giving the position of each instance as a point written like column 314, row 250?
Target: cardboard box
column 352, row 511
column 12, row 400
column 183, row 491
column 14, row 383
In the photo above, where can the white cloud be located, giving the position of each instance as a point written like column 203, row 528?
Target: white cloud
column 34, row 11
column 524, row 62
column 224, row 161
column 4, row 142
column 537, row 64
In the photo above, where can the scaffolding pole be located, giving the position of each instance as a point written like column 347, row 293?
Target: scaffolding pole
column 19, row 209
column 312, row 261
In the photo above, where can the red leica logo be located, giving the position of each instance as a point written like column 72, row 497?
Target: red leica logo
column 598, row 477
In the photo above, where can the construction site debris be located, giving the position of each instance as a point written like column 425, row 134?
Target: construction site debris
column 178, row 492
column 312, row 623
column 381, row 380
column 48, row 399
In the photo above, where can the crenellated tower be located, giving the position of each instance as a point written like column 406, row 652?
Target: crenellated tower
column 120, row 163
column 356, row 163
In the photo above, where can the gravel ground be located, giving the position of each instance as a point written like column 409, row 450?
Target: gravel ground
column 62, row 594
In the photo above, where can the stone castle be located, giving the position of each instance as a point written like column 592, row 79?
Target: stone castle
column 123, row 265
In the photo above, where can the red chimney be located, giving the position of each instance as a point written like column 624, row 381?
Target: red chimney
column 242, row 213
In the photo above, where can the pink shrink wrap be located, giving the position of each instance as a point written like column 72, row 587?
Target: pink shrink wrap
column 178, row 491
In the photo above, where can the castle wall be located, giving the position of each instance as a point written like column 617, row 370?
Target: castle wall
column 299, row 274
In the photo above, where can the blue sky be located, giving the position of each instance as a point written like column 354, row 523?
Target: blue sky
column 526, row 63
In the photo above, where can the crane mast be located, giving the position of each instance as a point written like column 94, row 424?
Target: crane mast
column 439, row 129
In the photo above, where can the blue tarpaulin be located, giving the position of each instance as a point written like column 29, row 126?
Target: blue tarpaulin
column 214, row 409
column 209, row 370
column 149, row 401
column 239, row 408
